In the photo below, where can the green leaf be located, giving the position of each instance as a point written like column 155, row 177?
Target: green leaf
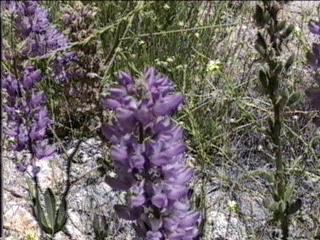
column 260, row 49
column 32, row 190
column 270, row 204
column 273, row 84
column 259, row 16
column 261, row 41
column 288, row 193
column 288, row 31
column 278, row 68
column 50, row 203
column 62, row 216
column 289, row 62
column 282, row 206
column 269, row 177
column 39, row 216
column 295, row 206
column 283, row 100
column 100, row 227
column 263, row 79
column 294, row 97
column 281, row 25
column 270, row 123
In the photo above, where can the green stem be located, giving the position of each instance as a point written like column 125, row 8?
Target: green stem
column 280, row 177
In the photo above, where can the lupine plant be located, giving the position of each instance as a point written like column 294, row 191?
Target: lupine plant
column 313, row 57
column 26, row 104
column 271, row 39
column 148, row 151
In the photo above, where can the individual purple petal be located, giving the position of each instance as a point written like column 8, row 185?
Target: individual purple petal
column 151, row 235
column 31, row 77
column 314, row 27
column 43, row 150
column 137, row 161
column 11, row 85
column 22, row 167
column 111, row 104
column 144, row 115
column 118, row 92
column 125, row 79
column 176, row 149
column 167, row 105
column 126, row 117
column 119, row 153
column 160, row 200
column 190, row 219
column 176, row 192
column 37, row 133
column 137, row 201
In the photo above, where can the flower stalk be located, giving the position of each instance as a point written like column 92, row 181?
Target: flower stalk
column 271, row 40
column 29, row 122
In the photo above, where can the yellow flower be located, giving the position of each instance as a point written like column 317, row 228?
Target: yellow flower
column 166, row 6
column 214, row 67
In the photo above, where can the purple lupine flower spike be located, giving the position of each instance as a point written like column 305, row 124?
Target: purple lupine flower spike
column 40, row 37
column 148, row 151
column 28, row 119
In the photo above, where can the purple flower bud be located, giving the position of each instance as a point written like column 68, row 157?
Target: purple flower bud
column 43, row 150
column 37, row 99
column 111, row 104
column 35, row 170
column 31, row 76
column 125, row 79
column 11, row 85
column 154, row 235
column 167, row 105
column 314, row 27
column 22, row 167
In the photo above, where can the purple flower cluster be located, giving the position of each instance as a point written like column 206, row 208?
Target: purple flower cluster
column 314, row 55
column 313, row 58
column 28, row 118
column 38, row 35
column 148, row 151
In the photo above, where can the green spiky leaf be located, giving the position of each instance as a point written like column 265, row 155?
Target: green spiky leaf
column 50, row 203
column 62, row 216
